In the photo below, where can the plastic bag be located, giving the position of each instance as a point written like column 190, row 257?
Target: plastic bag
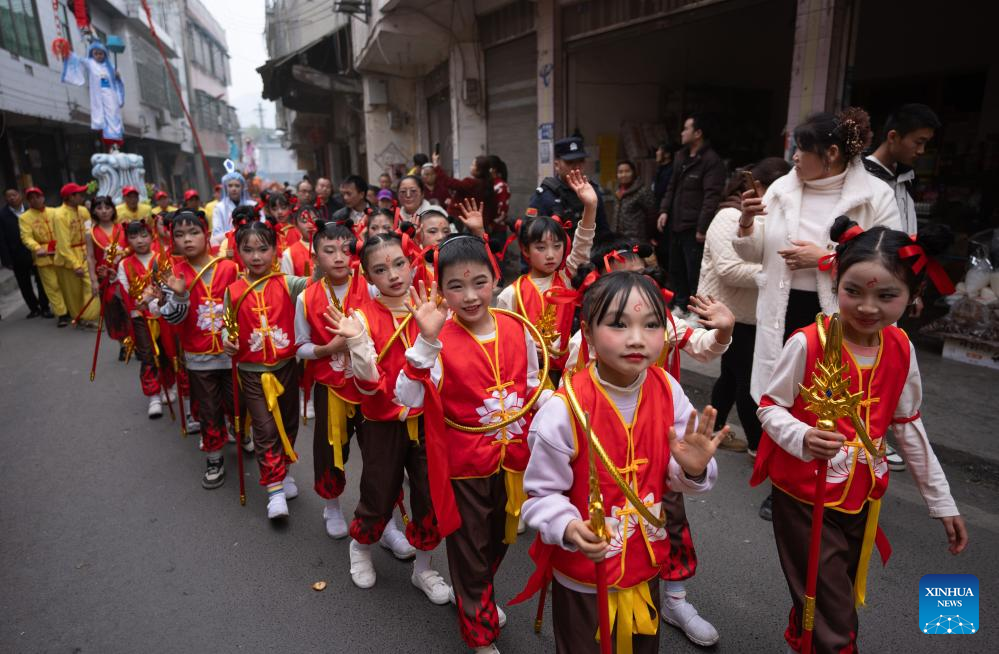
column 979, row 273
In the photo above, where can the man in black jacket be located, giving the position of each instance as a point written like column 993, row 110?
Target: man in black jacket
column 689, row 206
column 16, row 256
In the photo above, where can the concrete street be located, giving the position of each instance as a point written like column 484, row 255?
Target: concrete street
column 109, row 544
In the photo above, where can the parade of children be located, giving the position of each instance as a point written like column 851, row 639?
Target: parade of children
column 523, row 428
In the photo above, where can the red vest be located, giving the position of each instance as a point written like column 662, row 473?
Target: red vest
column 102, row 241
column 851, row 478
column 136, row 272
column 201, row 331
column 477, row 381
column 266, row 321
column 638, row 551
column 301, row 259
column 333, row 371
column 531, row 304
column 378, row 398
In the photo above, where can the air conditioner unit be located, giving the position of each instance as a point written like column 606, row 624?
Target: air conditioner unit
column 396, row 118
column 161, row 118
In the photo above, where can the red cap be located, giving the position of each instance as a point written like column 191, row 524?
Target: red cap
column 128, row 190
column 190, row 193
column 70, row 189
column 160, row 194
column 33, row 189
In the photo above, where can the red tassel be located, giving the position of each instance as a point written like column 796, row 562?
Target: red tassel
column 81, row 14
column 61, row 48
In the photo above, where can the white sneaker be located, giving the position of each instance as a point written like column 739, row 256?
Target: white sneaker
column 172, row 394
column 277, row 506
column 336, row 526
column 500, row 614
column 192, row 426
column 310, row 410
column 362, row 570
column 681, row 614
column 248, row 441
column 395, row 541
column 290, row 488
column 155, row 407
column 521, row 525
column 433, row 586
column 488, row 649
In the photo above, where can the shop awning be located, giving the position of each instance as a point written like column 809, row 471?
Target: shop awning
column 306, row 79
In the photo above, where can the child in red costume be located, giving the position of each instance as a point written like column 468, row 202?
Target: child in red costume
column 878, row 274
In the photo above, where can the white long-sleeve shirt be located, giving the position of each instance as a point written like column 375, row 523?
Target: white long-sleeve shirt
column 789, row 433
column 549, row 476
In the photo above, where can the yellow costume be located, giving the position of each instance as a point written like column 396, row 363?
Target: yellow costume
column 38, row 235
column 209, row 210
column 126, row 215
column 70, row 257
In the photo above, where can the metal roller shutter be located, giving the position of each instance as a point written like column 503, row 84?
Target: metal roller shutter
column 512, row 123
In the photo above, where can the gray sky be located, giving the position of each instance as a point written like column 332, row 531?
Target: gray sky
column 243, row 21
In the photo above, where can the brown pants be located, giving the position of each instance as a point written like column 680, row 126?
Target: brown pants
column 842, row 535
column 267, row 446
column 154, row 371
column 575, row 622
column 330, row 480
column 474, row 553
column 387, row 452
column 212, row 390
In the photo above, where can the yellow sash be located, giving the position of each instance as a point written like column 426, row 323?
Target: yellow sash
column 866, row 549
column 634, row 612
column 337, row 412
column 272, row 391
column 515, row 498
column 413, row 427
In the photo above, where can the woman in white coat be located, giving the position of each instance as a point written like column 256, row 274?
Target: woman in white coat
column 787, row 231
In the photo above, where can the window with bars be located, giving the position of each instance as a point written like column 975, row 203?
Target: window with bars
column 20, row 32
column 154, row 85
column 64, row 24
column 207, row 53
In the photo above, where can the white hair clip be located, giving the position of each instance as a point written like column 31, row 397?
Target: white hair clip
column 230, row 167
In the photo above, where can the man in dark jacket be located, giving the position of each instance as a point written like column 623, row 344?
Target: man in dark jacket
column 555, row 198
column 664, row 171
column 16, row 256
column 689, row 206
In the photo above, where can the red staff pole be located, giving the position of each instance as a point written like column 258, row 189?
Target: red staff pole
column 239, row 432
column 97, row 343
column 814, row 546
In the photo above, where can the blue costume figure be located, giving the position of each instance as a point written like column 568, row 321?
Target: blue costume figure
column 107, row 93
column 232, row 197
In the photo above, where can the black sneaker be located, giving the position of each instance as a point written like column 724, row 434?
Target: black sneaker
column 63, row 321
column 766, row 509
column 34, row 313
column 47, row 313
column 214, row 474
column 121, row 353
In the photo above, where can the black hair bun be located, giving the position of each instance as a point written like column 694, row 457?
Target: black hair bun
column 406, row 227
column 840, row 226
column 582, row 271
column 935, row 239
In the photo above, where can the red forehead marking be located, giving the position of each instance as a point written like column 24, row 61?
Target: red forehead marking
column 873, row 282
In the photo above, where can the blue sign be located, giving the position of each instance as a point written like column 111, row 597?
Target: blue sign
column 948, row 604
column 546, row 131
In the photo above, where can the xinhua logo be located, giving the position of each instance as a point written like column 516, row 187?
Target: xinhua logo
column 948, row 604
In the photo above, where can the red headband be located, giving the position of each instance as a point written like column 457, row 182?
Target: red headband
column 934, row 270
column 828, row 262
column 617, row 255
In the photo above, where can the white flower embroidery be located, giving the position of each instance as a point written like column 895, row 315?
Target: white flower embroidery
column 621, row 524
column 840, row 465
column 498, row 406
column 278, row 338
column 210, row 316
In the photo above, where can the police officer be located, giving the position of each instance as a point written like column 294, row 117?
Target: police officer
column 555, row 198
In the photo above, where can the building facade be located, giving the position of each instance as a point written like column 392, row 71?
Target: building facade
column 508, row 77
column 47, row 139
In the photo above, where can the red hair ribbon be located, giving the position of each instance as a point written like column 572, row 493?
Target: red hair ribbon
column 617, row 255
column 828, row 262
column 850, row 234
column 563, row 295
column 510, row 239
column 492, row 258
column 934, row 270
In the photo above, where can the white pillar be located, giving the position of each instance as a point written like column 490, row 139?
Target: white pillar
column 545, row 30
column 468, row 106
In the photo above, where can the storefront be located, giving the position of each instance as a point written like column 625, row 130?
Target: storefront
column 632, row 77
column 953, row 67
